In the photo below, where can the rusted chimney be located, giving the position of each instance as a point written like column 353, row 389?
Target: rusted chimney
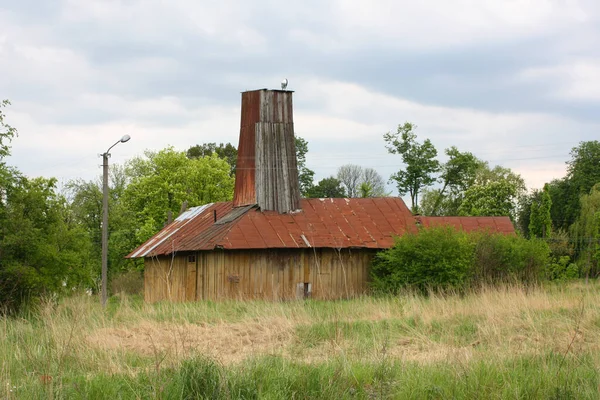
column 266, row 170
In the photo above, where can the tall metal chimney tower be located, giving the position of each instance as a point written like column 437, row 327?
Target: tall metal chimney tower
column 267, row 171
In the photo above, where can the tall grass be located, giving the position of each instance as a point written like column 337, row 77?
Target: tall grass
column 508, row 342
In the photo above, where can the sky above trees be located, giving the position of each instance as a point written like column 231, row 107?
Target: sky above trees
column 516, row 83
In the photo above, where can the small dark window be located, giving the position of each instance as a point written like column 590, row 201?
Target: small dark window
column 192, row 259
column 307, row 290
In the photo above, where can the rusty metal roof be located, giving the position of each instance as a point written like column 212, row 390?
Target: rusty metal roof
column 332, row 223
column 335, row 223
column 469, row 224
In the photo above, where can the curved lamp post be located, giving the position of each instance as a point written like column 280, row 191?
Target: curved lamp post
column 105, row 217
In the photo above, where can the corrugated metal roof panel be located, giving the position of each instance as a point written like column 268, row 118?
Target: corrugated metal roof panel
column 332, row 223
column 168, row 231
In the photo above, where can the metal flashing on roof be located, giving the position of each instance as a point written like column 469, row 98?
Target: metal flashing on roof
column 234, row 214
column 192, row 212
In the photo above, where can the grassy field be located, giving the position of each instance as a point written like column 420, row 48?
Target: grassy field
column 512, row 342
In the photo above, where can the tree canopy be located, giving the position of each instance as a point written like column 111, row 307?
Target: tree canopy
column 162, row 181
column 327, row 188
column 305, row 175
column 227, row 152
column 420, row 163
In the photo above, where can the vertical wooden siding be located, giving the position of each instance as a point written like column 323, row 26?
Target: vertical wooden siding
column 264, row 274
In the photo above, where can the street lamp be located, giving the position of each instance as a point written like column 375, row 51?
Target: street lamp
column 105, row 217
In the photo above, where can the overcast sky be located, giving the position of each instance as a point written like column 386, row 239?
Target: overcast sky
column 516, row 82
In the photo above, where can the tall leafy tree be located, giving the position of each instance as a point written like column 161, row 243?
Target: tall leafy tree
column 495, row 192
column 564, row 204
column 42, row 248
column 327, row 188
column 227, row 152
column 419, row 160
column 583, row 172
column 7, row 132
column 305, row 175
column 85, row 202
column 524, row 210
column 457, row 175
column 586, row 232
column 540, row 220
column 495, row 198
column 162, row 181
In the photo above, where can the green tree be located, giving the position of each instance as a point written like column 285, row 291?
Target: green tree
column 501, row 189
column 457, row 175
column 7, row 132
column 586, row 231
column 227, row 152
column 42, row 248
column 162, row 181
column 85, row 202
column 540, row 220
column 525, row 204
column 327, row 188
column 564, row 204
column 495, row 198
column 365, row 190
column 583, row 172
column 305, row 175
column 419, row 160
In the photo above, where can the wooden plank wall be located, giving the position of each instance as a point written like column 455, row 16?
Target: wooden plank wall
column 258, row 274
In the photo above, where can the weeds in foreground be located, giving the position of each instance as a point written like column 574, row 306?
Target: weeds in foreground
column 496, row 342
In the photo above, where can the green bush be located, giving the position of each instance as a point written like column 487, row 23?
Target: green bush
column 562, row 269
column 506, row 258
column 433, row 258
column 442, row 258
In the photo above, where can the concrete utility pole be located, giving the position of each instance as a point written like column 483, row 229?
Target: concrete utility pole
column 105, row 218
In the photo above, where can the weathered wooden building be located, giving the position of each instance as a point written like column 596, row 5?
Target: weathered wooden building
column 269, row 243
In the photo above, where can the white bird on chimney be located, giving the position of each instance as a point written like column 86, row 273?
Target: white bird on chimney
column 284, row 84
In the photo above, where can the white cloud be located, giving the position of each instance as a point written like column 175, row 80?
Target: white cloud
column 575, row 80
column 160, row 22
column 352, row 114
column 437, row 24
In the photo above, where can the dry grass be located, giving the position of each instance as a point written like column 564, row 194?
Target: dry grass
column 501, row 323
column 492, row 324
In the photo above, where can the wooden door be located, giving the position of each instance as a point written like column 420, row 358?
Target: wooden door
column 191, row 278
